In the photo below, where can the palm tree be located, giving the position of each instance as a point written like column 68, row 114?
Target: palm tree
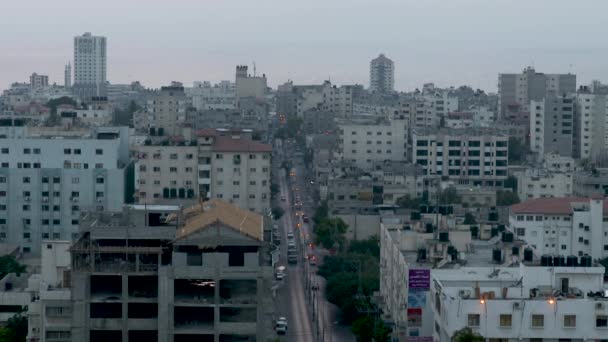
column 467, row 335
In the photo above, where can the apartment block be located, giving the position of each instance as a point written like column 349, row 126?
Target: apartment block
column 381, row 74
column 39, row 81
column 221, row 96
column 166, row 111
column 295, row 100
column 49, row 176
column 562, row 226
column 591, row 124
column 90, row 66
column 552, row 125
column 521, row 89
column 249, row 86
column 160, row 273
column 224, row 164
column 529, row 302
column 477, row 157
column 368, row 142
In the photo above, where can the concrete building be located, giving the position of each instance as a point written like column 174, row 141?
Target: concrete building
column 562, row 226
column 166, row 111
column 589, row 183
column 38, row 81
column 540, row 183
column 521, row 89
column 528, row 303
column 221, row 96
column 469, row 157
column 49, row 176
column 90, row 67
column 67, row 76
column 369, row 142
column 318, row 121
column 294, row 100
column 552, row 125
column 50, row 313
column 381, row 74
column 199, row 274
column 591, row 124
column 225, row 164
column 249, row 86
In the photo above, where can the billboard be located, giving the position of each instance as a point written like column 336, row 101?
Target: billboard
column 419, row 279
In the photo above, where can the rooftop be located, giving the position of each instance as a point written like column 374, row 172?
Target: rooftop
column 478, row 131
column 238, row 144
column 552, row 205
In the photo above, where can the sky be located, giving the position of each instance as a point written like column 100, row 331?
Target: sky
column 448, row 42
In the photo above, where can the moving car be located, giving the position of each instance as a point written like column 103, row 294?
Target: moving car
column 290, row 235
column 281, row 326
column 279, row 275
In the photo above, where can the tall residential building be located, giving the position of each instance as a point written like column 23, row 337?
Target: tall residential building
column 478, row 157
column 294, row 100
column 67, row 76
column 552, row 125
column 591, row 125
column 167, row 110
column 38, row 81
column 221, row 96
column 221, row 164
column 381, row 74
column 160, row 273
column 519, row 89
column 90, row 66
column 562, row 226
column 49, row 176
column 249, row 86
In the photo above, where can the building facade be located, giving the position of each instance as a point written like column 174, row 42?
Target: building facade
column 475, row 157
column 591, row 124
column 552, row 125
column 166, row 111
column 38, row 81
column 90, row 65
column 46, row 181
column 382, row 74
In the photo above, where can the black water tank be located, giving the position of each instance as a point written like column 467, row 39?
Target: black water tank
column 429, row 227
column 544, row 260
column 507, row 237
column 572, row 261
column 515, row 250
column 474, row 231
column 444, row 236
column 422, row 254
column 559, row 260
column 501, row 228
column 8, row 286
column 586, row 261
column 494, row 232
column 497, row 255
column 415, row 216
column 528, row 254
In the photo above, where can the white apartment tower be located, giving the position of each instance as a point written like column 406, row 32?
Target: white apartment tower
column 90, row 65
column 381, row 74
column 591, row 122
column 67, row 76
column 38, row 81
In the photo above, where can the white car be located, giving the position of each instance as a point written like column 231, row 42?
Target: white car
column 280, row 275
column 290, row 235
column 281, row 326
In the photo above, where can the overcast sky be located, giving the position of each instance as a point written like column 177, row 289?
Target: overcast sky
column 451, row 42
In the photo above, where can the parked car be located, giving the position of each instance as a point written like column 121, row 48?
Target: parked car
column 281, row 326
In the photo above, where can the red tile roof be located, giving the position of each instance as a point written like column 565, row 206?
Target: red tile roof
column 206, row 132
column 551, row 205
column 230, row 144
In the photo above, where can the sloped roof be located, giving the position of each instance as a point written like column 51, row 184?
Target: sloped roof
column 201, row 216
column 551, row 205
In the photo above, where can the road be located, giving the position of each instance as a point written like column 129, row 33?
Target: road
column 310, row 316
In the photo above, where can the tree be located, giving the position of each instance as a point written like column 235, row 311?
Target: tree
column 517, row 151
column 330, row 232
column 506, row 198
column 370, row 246
column 409, row 203
column 322, row 212
column 8, row 264
column 469, row 219
column 277, row 212
column 274, row 189
column 467, row 335
column 449, row 196
column 15, row 329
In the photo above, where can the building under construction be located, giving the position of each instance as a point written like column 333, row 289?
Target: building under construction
column 162, row 273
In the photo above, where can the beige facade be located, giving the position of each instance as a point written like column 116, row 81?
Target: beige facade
column 168, row 111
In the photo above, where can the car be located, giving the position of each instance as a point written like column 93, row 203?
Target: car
column 282, row 198
column 313, row 260
column 305, row 219
column 290, row 235
column 279, row 275
column 281, row 326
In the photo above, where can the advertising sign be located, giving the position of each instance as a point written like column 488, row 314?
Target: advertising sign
column 420, row 279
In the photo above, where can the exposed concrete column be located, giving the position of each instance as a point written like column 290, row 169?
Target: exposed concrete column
column 125, row 307
column 165, row 304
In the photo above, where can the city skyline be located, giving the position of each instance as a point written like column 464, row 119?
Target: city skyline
column 301, row 42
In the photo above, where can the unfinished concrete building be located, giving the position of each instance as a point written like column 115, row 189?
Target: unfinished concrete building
column 159, row 273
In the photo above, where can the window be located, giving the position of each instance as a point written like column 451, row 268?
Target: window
column 505, row 320
column 26, row 207
column 56, row 180
column 173, row 156
column 156, row 169
column 98, row 151
column 56, row 236
column 520, row 231
column 26, row 180
column 76, row 151
column 100, row 180
column 538, row 321
column 26, row 235
column 56, row 222
column 601, row 321
column 219, row 156
column 98, row 166
column 569, row 321
column 473, row 320
column 27, row 151
column 67, row 151
column 4, row 150
column 75, row 180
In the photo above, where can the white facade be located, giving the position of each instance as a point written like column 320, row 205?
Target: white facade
column 221, row 96
column 520, row 303
column 249, row 86
column 46, row 181
column 562, row 226
column 381, row 74
column 166, row 111
column 67, row 76
column 90, row 63
column 365, row 144
column 539, row 183
column 592, row 125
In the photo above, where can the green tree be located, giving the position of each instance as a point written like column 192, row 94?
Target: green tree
column 449, row 196
column 8, row 264
column 505, row 198
column 322, row 212
column 469, row 218
column 277, row 212
column 15, row 329
column 370, row 246
column 330, row 232
column 274, row 189
column 467, row 335
column 409, row 203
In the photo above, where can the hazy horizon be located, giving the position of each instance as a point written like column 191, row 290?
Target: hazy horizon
column 448, row 43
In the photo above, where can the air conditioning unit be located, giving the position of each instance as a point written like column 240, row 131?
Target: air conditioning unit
column 45, row 199
column 464, row 294
column 516, row 306
column 74, row 199
column 599, row 306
